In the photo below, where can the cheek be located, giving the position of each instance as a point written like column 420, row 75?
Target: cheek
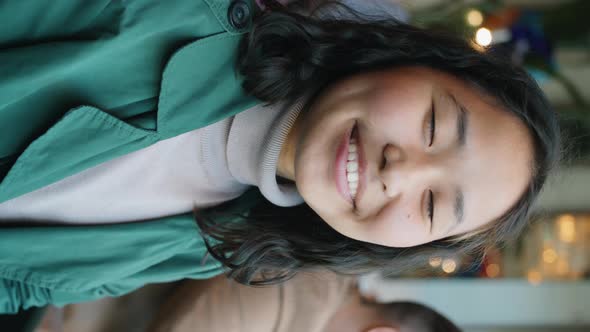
column 306, row 173
column 396, row 117
column 313, row 177
column 397, row 226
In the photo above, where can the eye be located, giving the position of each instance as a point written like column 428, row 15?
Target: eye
column 432, row 124
column 430, row 207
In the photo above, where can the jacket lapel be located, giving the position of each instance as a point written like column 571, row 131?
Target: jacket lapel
column 83, row 138
column 199, row 87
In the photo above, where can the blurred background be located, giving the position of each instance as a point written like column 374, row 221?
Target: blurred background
column 541, row 282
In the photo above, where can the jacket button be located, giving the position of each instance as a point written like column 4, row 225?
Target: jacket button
column 239, row 14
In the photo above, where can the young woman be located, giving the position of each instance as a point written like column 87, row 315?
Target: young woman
column 372, row 145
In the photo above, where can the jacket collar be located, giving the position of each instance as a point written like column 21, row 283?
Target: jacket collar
column 194, row 96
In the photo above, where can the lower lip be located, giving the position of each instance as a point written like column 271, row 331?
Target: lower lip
column 340, row 167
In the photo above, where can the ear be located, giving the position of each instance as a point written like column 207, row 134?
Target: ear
column 383, row 329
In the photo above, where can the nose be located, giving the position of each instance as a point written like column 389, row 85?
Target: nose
column 402, row 171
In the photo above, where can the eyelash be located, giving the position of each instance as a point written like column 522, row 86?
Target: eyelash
column 432, row 125
column 432, row 131
column 430, row 206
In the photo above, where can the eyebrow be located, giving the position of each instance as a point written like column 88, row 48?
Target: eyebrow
column 462, row 122
column 461, row 134
column 458, row 209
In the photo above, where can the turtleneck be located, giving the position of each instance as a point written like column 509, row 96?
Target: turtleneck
column 198, row 169
column 254, row 144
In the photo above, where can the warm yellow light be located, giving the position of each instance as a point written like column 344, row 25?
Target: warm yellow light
column 449, row 265
column 435, row 261
column 534, row 277
column 474, row 18
column 483, row 37
column 566, row 225
column 549, row 256
column 563, row 267
column 493, row 270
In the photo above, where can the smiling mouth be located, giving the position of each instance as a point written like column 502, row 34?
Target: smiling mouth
column 352, row 164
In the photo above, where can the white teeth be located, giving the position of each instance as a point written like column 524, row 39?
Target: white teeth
column 352, row 177
column 352, row 166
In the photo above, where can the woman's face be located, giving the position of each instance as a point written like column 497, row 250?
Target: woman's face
column 407, row 156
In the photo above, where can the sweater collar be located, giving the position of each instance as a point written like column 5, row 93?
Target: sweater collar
column 254, row 144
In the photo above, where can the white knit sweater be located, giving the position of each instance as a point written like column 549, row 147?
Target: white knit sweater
column 201, row 168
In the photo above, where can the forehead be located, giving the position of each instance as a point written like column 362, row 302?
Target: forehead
column 496, row 165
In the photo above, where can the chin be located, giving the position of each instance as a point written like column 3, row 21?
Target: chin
column 317, row 199
column 314, row 196
column 311, row 181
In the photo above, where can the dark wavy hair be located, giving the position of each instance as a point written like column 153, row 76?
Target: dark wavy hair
column 287, row 55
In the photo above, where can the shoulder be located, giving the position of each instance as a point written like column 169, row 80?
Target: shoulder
column 323, row 286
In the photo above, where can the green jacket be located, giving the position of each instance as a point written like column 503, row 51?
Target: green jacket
column 83, row 82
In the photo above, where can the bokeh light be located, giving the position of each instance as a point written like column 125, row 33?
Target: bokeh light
column 534, row 277
column 566, row 225
column 435, row 261
column 449, row 265
column 483, row 37
column 474, row 18
column 549, row 255
column 493, row 270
